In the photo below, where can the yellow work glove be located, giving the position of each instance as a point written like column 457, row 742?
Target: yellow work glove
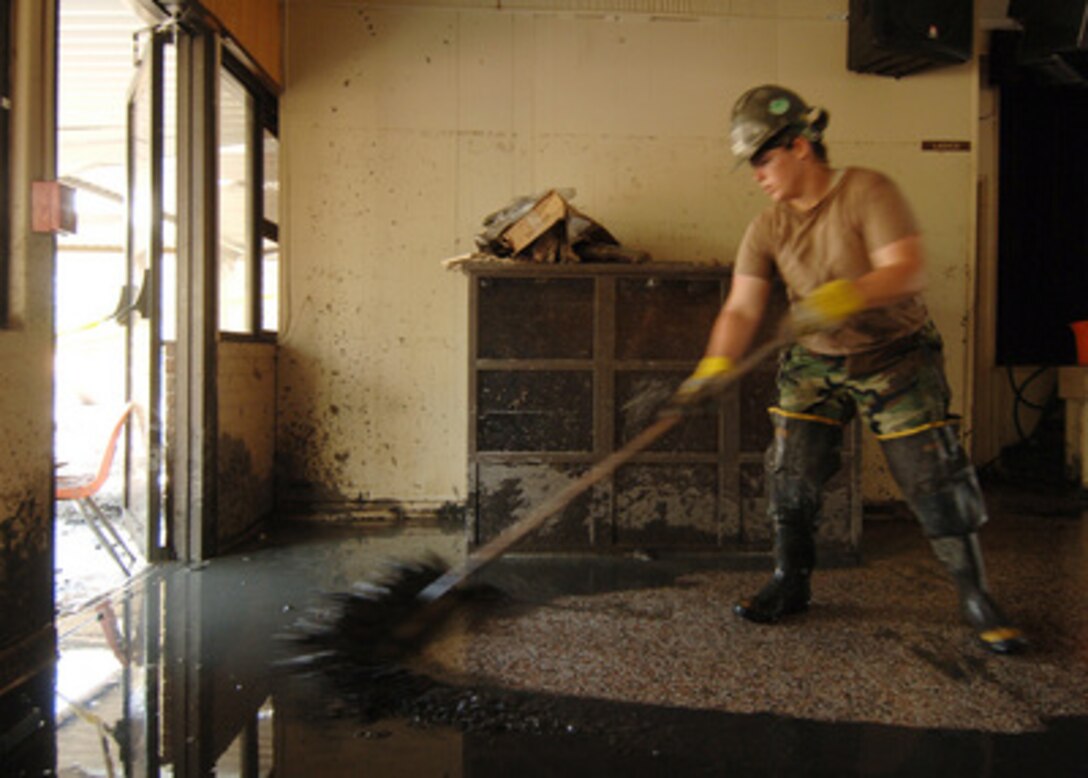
column 708, row 369
column 827, row 307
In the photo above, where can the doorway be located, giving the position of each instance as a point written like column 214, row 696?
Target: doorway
column 94, row 300
column 110, row 278
column 137, row 328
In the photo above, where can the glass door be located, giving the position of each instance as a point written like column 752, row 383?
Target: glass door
column 150, row 324
column 150, row 277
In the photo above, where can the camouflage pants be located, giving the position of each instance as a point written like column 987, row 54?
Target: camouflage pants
column 901, row 392
column 899, row 389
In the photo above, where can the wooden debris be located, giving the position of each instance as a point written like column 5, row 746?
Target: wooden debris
column 548, row 229
column 545, row 213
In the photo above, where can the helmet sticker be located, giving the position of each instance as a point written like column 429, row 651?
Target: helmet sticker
column 779, row 106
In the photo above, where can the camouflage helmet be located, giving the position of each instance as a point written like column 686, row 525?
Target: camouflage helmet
column 762, row 113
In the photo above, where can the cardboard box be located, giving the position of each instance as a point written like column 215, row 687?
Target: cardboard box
column 547, row 211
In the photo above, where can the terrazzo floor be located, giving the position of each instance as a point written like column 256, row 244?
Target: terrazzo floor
column 883, row 642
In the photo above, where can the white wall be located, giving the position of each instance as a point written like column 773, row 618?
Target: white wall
column 404, row 124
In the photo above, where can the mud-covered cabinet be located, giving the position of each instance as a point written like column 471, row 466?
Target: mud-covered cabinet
column 569, row 362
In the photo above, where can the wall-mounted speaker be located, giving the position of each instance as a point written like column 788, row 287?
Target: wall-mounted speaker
column 900, row 37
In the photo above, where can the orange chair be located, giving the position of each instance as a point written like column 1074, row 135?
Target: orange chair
column 83, row 490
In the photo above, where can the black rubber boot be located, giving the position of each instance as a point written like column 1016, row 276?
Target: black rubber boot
column 942, row 489
column 789, row 591
column 937, row 480
column 963, row 558
column 802, row 457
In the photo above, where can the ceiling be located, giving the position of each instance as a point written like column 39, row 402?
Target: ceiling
column 96, row 62
column 95, row 71
column 99, row 44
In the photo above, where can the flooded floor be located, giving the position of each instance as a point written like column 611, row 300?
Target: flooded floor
column 590, row 666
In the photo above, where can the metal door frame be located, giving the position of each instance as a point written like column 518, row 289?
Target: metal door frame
column 145, row 285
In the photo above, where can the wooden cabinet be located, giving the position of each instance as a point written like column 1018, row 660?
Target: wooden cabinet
column 565, row 362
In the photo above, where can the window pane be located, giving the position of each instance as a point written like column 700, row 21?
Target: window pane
column 270, row 250
column 270, row 280
column 271, row 177
column 169, row 295
column 235, row 215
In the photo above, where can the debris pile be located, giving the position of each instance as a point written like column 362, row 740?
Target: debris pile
column 548, row 229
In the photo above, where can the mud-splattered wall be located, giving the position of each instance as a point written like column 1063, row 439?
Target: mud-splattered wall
column 246, row 379
column 404, row 124
column 26, row 384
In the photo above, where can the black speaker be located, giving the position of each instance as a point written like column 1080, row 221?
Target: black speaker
column 900, row 37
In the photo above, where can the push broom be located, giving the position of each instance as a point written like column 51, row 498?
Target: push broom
column 379, row 623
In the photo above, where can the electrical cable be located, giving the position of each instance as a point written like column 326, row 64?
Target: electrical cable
column 1030, row 444
column 1020, row 399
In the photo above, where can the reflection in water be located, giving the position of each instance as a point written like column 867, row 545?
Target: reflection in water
column 177, row 674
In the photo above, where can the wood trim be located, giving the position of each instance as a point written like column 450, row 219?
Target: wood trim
column 536, row 269
column 254, row 27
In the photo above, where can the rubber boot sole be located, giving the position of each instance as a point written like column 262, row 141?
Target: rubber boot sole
column 1003, row 640
column 749, row 611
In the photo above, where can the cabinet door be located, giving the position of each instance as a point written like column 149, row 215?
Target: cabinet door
column 534, row 410
column 664, row 318
column 535, row 318
column 671, row 497
column 640, row 394
column 672, row 505
column 506, row 492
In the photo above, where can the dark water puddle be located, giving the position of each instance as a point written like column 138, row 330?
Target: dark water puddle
column 503, row 732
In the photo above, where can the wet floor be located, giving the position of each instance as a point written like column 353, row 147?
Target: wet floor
column 588, row 666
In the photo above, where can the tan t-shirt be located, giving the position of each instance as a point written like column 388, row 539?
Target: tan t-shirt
column 863, row 211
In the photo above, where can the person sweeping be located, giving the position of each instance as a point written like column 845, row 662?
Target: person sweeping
column 846, row 245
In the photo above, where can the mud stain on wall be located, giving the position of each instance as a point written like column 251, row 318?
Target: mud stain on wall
column 243, row 492
column 246, row 438
column 305, row 471
column 26, row 569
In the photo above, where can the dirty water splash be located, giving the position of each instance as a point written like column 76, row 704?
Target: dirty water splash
column 360, row 646
column 375, row 625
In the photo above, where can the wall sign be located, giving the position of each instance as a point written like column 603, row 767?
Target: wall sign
column 946, row 145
